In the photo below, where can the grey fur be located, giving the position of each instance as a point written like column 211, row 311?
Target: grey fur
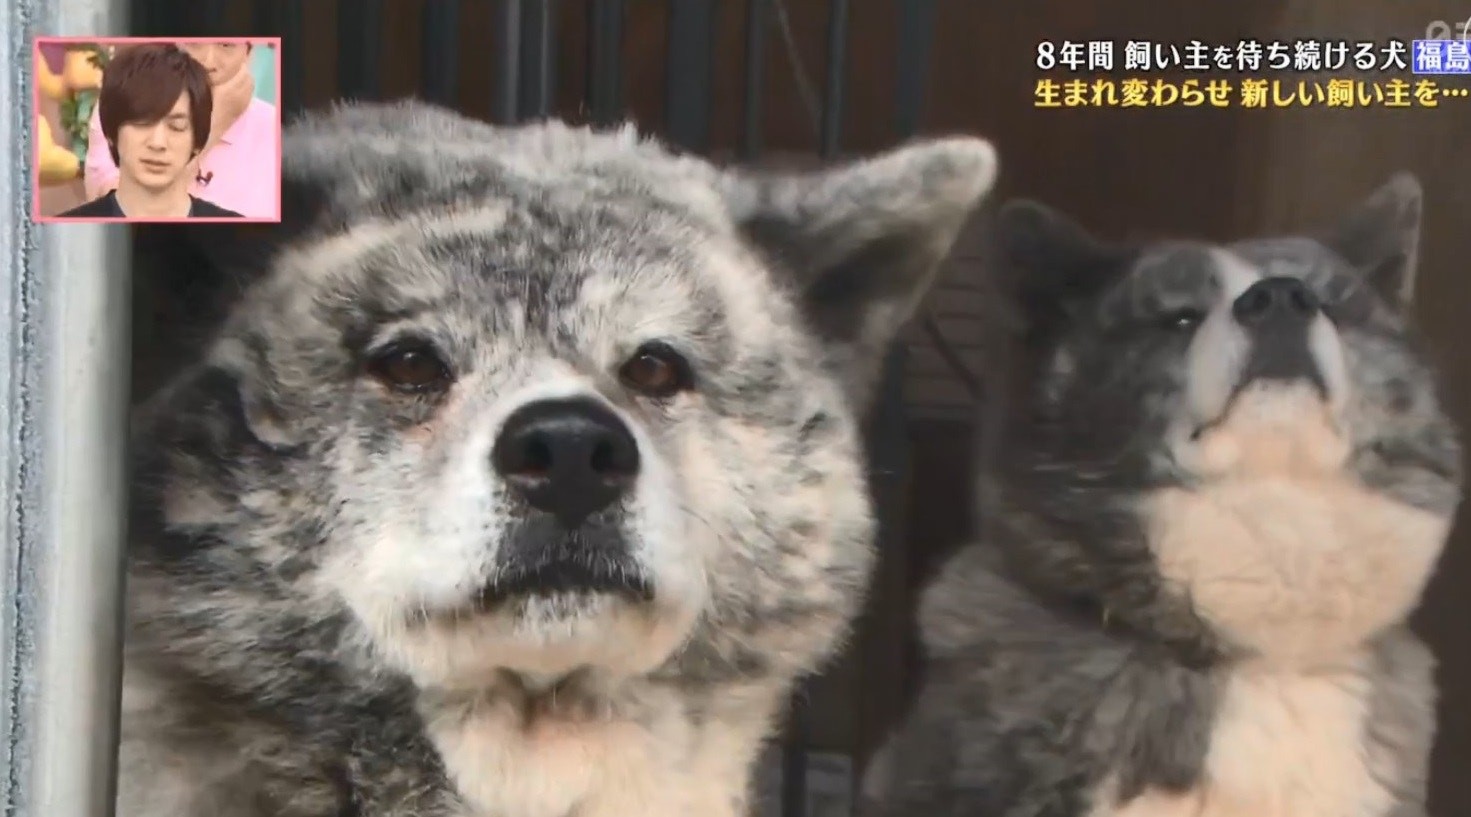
column 1074, row 668
column 306, row 541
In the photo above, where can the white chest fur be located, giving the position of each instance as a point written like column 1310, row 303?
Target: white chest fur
column 657, row 764
column 1285, row 744
column 1298, row 569
column 1283, row 550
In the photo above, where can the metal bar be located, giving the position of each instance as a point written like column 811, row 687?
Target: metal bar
column 265, row 19
column 209, row 18
column 604, row 60
column 441, row 49
column 916, row 39
column 536, row 60
column 837, row 60
column 161, row 18
column 689, row 71
column 794, row 758
column 64, row 332
column 293, row 54
column 359, row 41
column 141, row 18
column 507, row 45
column 758, row 16
column 884, row 643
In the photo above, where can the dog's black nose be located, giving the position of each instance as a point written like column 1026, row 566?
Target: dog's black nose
column 1280, row 301
column 569, row 458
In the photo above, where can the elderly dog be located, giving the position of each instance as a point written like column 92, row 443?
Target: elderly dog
column 526, row 478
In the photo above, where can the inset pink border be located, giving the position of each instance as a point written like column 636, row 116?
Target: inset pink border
column 37, row 42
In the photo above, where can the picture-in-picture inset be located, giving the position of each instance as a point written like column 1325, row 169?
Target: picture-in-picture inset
column 137, row 130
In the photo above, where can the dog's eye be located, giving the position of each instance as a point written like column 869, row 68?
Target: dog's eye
column 656, row 370
column 413, row 367
column 1182, row 319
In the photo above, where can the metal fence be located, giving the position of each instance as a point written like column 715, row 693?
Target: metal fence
column 524, row 40
column 67, row 323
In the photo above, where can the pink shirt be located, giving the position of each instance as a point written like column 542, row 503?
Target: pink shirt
column 246, row 177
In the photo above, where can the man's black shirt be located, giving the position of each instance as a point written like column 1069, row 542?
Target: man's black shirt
column 107, row 207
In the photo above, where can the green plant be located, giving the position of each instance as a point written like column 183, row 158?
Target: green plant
column 76, row 109
column 76, row 114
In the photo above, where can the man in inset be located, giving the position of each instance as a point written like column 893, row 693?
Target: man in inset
column 238, row 168
column 154, row 106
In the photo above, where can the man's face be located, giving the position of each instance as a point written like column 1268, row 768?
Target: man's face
column 223, row 61
column 155, row 155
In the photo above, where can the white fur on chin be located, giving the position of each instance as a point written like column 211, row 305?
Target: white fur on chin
column 1282, row 550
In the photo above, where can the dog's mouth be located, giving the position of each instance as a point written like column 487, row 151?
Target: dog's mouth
column 545, row 573
column 555, row 588
column 548, row 601
column 1269, row 427
column 1302, row 394
column 566, row 578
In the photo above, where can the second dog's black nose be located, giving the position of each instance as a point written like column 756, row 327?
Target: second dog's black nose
column 569, row 458
column 1278, row 300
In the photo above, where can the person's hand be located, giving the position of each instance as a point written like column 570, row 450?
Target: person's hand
column 231, row 98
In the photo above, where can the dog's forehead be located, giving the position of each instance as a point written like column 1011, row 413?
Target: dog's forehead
column 1177, row 269
column 541, row 213
column 1178, row 265
column 1292, row 257
column 498, row 268
column 371, row 160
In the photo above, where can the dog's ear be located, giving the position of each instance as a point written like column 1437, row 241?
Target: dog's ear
column 861, row 244
column 305, row 208
column 196, row 277
column 1050, row 263
column 1380, row 237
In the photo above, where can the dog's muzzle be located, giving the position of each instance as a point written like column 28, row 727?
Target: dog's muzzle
column 542, row 558
column 568, row 463
column 1277, row 315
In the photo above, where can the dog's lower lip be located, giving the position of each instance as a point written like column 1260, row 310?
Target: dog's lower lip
column 495, row 595
column 564, row 580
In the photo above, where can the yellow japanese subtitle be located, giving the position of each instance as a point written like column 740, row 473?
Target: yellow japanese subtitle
column 1248, row 92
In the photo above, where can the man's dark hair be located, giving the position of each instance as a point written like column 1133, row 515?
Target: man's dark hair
column 141, row 84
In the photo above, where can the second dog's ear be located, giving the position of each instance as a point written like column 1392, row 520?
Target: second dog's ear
column 1050, row 262
column 861, row 244
column 1380, row 237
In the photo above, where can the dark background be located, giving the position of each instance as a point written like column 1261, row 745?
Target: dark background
column 932, row 67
